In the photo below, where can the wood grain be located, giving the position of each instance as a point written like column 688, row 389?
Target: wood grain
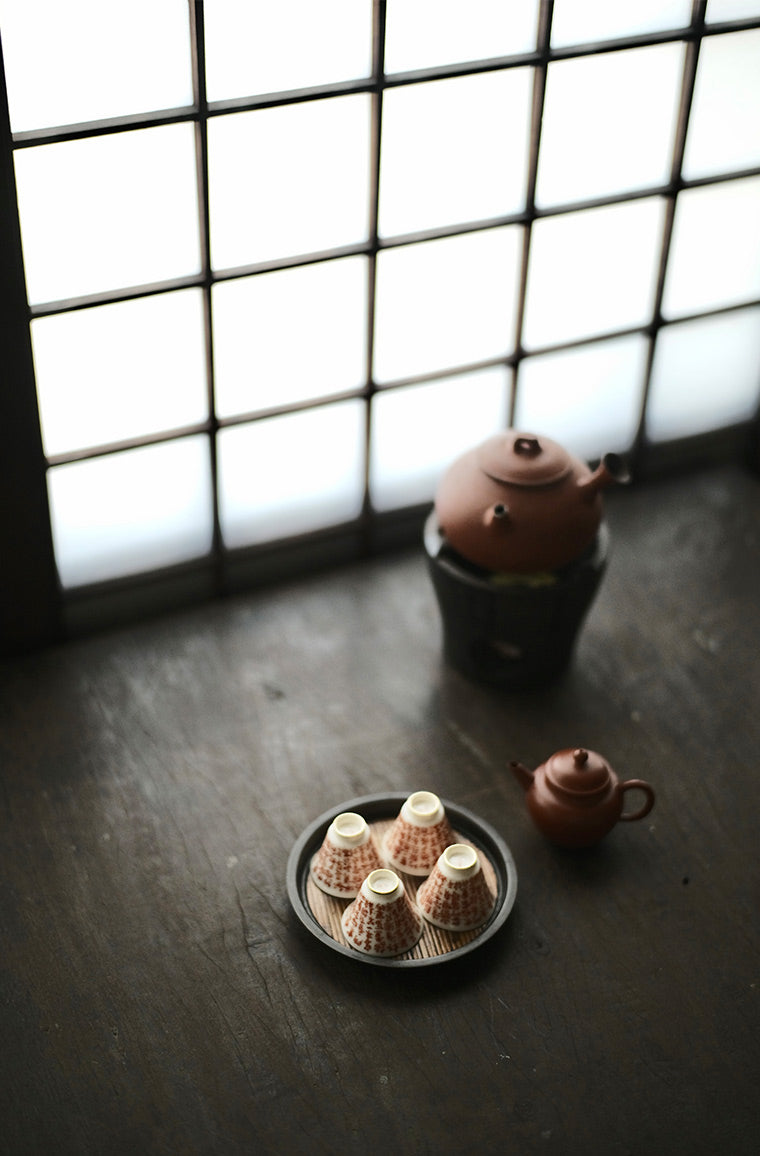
column 159, row 995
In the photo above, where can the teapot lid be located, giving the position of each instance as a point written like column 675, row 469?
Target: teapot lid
column 523, row 460
column 579, row 771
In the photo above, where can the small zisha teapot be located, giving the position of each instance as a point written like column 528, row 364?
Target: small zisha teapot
column 575, row 798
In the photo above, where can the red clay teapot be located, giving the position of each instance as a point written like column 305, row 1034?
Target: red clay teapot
column 521, row 504
column 575, row 798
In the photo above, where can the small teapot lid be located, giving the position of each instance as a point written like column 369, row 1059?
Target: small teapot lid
column 578, row 771
column 523, row 460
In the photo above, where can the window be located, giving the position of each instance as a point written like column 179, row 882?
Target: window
column 267, row 278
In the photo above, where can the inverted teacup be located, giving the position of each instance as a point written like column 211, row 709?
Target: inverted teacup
column 419, row 834
column 455, row 896
column 346, row 857
column 381, row 920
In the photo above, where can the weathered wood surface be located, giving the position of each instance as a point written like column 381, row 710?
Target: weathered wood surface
column 159, row 996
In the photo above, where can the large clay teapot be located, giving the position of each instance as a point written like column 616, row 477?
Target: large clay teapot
column 521, row 504
column 575, row 798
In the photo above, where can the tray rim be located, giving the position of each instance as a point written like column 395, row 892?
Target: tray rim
column 386, row 804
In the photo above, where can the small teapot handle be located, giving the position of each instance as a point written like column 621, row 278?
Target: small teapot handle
column 646, row 807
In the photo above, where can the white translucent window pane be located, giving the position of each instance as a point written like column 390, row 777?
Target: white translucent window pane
column 724, row 125
column 288, row 180
column 288, row 475
column 131, row 512
column 715, row 249
column 592, row 272
column 257, row 47
column 455, row 414
column 290, row 335
column 580, row 21
column 609, row 123
column 705, row 375
column 86, row 60
column 718, row 10
column 426, row 33
column 587, row 398
column 445, row 303
column 454, row 150
column 108, row 212
column 120, row 371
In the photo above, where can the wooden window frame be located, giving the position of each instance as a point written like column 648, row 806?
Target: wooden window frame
column 33, row 608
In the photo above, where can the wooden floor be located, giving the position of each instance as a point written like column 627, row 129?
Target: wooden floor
column 159, row 994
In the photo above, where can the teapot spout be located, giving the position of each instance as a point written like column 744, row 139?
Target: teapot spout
column 522, row 774
column 612, row 468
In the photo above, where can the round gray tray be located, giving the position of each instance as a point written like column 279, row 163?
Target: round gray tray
column 379, row 807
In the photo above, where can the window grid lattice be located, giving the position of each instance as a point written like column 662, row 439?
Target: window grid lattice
column 202, row 114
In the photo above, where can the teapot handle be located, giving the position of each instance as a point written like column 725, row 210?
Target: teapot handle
column 646, row 807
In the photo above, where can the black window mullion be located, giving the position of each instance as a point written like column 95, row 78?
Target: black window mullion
column 198, row 48
column 378, row 73
column 132, row 122
column 691, row 61
column 546, row 11
column 30, row 597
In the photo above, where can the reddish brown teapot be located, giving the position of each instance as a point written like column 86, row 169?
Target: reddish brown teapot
column 575, row 798
column 521, row 504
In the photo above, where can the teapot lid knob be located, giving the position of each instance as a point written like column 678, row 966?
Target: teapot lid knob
column 580, row 758
column 521, row 459
column 527, row 446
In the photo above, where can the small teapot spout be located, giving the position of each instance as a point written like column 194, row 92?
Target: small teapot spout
column 497, row 517
column 522, row 774
column 612, row 468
